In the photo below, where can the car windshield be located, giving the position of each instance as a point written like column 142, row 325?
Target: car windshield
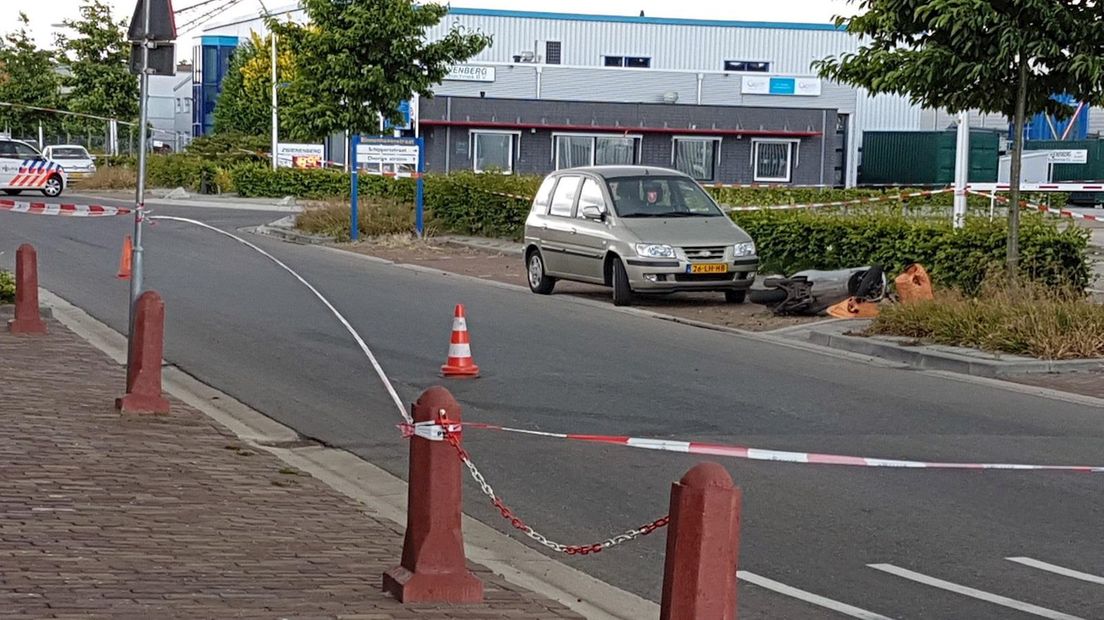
column 651, row 196
column 69, row 152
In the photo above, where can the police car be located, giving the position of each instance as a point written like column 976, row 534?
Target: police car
column 23, row 168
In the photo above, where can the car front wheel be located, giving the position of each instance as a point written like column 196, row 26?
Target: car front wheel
column 52, row 189
column 539, row 282
column 622, row 292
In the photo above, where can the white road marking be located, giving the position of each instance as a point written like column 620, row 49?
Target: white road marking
column 982, row 595
column 809, row 597
column 1058, row 570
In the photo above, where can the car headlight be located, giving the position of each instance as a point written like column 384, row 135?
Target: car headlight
column 744, row 249
column 655, row 250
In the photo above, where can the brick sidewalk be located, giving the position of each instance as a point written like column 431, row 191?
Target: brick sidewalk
column 172, row 517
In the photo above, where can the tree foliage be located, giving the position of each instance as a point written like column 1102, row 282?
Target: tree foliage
column 100, row 82
column 358, row 59
column 245, row 104
column 1005, row 56
column 28, row 78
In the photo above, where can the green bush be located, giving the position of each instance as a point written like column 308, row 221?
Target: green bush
column 480, row 204
column 790, row 241
column 1020, row 318
column 7, row 287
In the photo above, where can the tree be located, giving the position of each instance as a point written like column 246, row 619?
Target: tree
column 100, row 82
column 358, row 59
column 1003, row 56
column 28, row 77
column 245, row 103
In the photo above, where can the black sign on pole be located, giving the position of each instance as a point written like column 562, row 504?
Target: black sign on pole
column 162, row 59
column 162, row 23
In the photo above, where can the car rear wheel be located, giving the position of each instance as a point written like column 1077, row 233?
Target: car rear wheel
column 539, row 282
column 735, row 297
column 52, row 189
column 13, row 192
column 622, row 292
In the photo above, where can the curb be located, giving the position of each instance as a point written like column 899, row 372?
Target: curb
column 7, row 311
column 283, row 230
column 379, row 493
column 924, row 358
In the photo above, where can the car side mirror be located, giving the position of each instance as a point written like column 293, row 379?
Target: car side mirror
column 593, row 212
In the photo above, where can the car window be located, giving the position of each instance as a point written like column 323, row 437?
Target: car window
column 590, row 194
column 563, row 199
column 544, row 195
column 650, row 196
column 24, row 152
column 7, row 149
column 71, row 152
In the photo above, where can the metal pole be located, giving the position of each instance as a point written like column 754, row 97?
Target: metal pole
column 419, row 194
column 962, row 169
column 41, row 137
column 140, row 192
column 275, row 117
column 354, row 224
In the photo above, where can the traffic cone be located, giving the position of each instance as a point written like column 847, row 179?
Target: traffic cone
column 124, row 259
column 459, row 362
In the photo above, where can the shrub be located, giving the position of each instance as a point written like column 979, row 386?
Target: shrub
column 480, row 204
column 792, row 241
column 7, row 287
column 109, row 177
column 376, row 217
column 1021, row 318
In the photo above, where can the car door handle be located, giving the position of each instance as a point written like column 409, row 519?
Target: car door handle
column 573, row 231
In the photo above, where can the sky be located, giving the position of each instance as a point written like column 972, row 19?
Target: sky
column 45, row 13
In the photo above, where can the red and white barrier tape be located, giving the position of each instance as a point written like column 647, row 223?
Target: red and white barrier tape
column 845, row 203
column 72, row 210
column 1037, row 187
column 762, row 186
column 1043, row 208
column 759, row 454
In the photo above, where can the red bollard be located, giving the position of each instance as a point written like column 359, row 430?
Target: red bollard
column 143, row 388
column 433, row 568
column 27, row 319
column 703, row 546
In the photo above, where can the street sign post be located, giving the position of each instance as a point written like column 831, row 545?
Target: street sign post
column 399, row 153
column 152, row 24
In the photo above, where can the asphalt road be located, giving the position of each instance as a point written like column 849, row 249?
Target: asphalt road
column 245, row 327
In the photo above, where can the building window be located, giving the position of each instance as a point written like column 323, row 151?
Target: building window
column 633, row 62
column 187, row 104
column 179, row 105
column 552, row 52
column 493, row 151
column 747, row 65
column 771, row 160
column 697, row 157
column 571, row 150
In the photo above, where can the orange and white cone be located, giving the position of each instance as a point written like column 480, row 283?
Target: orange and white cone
column 459, row 362
column 124, row 259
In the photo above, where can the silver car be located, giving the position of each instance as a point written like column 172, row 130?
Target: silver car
column 636, row 229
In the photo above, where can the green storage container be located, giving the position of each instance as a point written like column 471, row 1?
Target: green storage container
column 1093, row 170
column 924, row 158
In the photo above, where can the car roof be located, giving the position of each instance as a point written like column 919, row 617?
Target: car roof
column 613, row 172
column 67, row 146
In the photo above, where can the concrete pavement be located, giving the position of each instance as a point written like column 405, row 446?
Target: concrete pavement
column 553, row 364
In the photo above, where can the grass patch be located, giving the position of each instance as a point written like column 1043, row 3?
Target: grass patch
column 109, row 177
column 1020, row 318
column 377, row 217
column 7, row 287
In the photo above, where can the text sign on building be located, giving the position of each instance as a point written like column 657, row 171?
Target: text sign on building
column 786, row 86
column 300, row 155
column 1068, row 156
column 400, row 151
column 471, row 73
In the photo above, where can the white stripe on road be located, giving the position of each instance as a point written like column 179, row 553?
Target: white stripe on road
column 808, row 597
column 1058, row 570
column 981, row 595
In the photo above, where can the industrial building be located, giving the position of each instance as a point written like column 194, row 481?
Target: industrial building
column 724, row 101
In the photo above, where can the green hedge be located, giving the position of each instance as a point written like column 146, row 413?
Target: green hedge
column 794, row 240
column 7, row 287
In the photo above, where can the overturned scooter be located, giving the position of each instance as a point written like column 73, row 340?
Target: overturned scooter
column 842, row 292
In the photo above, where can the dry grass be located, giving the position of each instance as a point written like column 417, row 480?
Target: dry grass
column 109, row 177
column 390, row 220
column 1017, row 318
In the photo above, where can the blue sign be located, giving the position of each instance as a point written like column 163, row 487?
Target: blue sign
column 783, row 86
column 404, row 109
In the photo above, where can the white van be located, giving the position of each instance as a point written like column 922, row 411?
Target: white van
column 23, row 168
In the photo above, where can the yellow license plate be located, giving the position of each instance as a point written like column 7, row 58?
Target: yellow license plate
column 708, row 268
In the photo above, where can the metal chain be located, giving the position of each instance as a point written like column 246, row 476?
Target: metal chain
column 453, row 439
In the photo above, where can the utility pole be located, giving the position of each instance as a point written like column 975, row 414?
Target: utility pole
column 962, row 169
column 275, row 109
